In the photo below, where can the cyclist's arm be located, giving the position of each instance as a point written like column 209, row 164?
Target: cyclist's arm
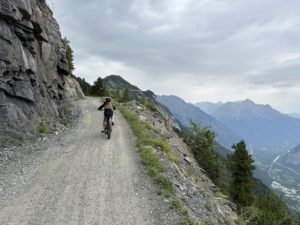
column 101, row 106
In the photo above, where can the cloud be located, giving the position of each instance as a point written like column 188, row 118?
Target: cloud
column 171, row 45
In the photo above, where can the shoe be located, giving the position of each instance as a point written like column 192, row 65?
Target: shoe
column 112, row 123
column 102, row 131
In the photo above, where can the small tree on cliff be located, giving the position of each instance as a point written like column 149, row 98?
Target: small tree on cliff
column 69, row 54
column 242, row 167
column 201, row 141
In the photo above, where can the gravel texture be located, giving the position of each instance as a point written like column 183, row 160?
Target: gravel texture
column 77, row 176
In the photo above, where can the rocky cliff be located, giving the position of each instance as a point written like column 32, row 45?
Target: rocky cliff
column 33, row 67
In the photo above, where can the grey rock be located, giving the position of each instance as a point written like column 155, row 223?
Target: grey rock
column 6, row 11
column 6, row 88
column 46, row 51
column 22, row 89
column 33, row 69
column 2, row 67
column 5, row 32
column 5, row 51
column 24, row 7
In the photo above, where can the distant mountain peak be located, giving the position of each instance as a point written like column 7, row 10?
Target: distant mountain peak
column 247, row 101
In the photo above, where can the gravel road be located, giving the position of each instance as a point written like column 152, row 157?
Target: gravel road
column 83, row 178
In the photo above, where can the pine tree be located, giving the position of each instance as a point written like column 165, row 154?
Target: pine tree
column 126, row 95
column 69, row 54
column 273, row 210
column 143, row 99
column 98, row 89
column 201, row 141
column 242, row 166
column 117, row 94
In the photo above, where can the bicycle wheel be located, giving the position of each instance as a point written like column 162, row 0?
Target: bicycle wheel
column 108, row 125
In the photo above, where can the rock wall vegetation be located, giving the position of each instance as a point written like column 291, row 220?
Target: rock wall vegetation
column 33, row 69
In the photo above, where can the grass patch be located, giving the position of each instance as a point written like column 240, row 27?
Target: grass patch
column 149, row 158
column 165, row 147
column 43, row 128
column 146, row 146
column 220, row 195
column 192, row 173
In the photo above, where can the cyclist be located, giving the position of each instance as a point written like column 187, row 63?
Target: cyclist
column 108, row 111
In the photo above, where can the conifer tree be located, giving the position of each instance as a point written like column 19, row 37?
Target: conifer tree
column 242, row 166
column 98, row 89
column 273, row 210
column 126, row 95
column 201, row 141
column 117, row 94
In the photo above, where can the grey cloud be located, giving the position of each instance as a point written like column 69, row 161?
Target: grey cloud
column 201, row 40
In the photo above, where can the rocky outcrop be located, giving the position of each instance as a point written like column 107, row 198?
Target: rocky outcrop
column 33, row 67
column 73, row 89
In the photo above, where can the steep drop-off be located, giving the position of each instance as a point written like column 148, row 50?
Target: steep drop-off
column 33, row 67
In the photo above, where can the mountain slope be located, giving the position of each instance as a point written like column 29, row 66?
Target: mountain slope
column 295, row 115
column 260, row 124
column 292, row 159
column 209, row 107
column 185, row 112
column 114, row 82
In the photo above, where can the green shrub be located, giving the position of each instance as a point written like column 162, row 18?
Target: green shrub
column 43, row 128
column 151, row 106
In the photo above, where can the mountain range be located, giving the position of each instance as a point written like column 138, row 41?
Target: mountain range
column 260, row 125
column 185, row 112
column 209, row 107
column 295, row 115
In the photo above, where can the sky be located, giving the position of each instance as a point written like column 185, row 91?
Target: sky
column 199, row 50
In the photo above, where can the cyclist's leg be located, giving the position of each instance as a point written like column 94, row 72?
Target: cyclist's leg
column 104, row 122
column 112, row 120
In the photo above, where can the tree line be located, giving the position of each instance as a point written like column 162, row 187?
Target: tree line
column 255, row 208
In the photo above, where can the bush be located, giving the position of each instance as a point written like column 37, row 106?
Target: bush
column 43, row 128
column 151, row 106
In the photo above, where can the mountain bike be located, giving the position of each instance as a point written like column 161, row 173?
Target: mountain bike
column 108, row 126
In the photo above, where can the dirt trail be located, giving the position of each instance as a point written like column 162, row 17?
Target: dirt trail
column 90, row 180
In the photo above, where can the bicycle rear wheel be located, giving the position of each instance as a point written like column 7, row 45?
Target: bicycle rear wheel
column 109, row 128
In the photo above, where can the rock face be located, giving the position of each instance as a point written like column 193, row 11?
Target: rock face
column 33, row 67
column 73, row 89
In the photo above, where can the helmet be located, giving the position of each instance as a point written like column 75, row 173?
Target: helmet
column 108, row 99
